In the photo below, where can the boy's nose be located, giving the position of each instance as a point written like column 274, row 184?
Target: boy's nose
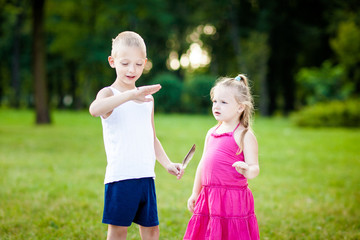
column 131, row 68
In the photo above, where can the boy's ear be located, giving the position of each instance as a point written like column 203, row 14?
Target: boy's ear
column 111, row 61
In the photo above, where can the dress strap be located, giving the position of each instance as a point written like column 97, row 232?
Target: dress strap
column 236, row 127
column 217, row 127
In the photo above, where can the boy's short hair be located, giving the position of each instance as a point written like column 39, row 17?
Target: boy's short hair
column 127, row 38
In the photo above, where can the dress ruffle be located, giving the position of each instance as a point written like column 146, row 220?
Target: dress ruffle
column 214, row 134
column 213, row 219
column 203, row 227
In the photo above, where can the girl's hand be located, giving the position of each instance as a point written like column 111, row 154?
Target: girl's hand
column 191, row 202
column 142, row 93
column 241, row 167
column 175, row 169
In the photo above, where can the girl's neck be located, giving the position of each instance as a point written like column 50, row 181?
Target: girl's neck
column 228, row 126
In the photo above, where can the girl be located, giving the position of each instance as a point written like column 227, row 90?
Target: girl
column 221, row 202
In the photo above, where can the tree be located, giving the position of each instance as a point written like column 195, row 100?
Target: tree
column 347, row 47
column 39, row 68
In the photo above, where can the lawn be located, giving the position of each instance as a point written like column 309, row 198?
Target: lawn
column 51, row 178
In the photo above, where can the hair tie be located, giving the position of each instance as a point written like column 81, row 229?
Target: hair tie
column 238, row 78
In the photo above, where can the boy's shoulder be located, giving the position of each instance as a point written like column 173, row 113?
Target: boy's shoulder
column 105, row 92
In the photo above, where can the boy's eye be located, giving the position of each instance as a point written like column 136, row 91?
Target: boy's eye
column 139, row 64
column 124, row 64
column 223, row 102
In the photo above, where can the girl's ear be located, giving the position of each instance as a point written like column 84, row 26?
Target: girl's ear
column 241, row 108
column 111, row 61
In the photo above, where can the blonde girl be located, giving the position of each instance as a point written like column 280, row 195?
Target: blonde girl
column 221, row 202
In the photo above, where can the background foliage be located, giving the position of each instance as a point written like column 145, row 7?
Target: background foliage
column 169, row 98
column 273, row 42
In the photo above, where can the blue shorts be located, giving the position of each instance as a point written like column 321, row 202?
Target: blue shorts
column 132, row 200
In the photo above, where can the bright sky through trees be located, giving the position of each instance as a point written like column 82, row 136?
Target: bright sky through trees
column 195, row 56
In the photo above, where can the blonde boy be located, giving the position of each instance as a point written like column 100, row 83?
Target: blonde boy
column 131, row 145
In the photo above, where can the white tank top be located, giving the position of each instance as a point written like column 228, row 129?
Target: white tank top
column 129, row 141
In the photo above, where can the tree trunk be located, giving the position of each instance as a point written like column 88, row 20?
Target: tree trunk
column 15, row 64
column 264, row 90
column 39, row 68
column 235, row 38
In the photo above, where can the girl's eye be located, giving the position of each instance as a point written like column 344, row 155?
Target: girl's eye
column 139, row 64
column 124, row 64
column 223, row 102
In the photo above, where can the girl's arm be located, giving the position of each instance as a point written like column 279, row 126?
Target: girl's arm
column 197, row 182
column 250, row 168
column 163, row 159
column 106, row 101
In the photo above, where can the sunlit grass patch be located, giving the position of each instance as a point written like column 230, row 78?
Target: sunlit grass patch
column 52, row 178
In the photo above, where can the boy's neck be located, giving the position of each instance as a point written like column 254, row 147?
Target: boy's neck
column 119, row 85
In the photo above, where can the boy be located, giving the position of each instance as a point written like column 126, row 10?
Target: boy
column 131, row 145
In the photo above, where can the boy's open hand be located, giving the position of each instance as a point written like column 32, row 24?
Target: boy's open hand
column 175, row 169
column 141, row 93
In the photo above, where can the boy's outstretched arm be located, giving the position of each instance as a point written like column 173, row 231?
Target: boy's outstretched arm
column 105, row 101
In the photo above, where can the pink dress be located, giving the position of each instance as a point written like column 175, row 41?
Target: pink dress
column 225, row 207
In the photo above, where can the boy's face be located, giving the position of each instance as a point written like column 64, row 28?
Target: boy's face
column 129, row 64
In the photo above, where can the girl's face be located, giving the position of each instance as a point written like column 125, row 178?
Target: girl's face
column 225, row 107
column 129, row 64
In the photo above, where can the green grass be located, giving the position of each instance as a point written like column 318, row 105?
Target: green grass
column 51, row 178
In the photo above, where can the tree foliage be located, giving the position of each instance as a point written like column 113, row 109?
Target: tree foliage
column 270, row 41
column 346, row 45
column 323, row 84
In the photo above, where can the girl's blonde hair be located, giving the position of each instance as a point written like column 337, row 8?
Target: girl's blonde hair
column 242, row 94
column 129, row 39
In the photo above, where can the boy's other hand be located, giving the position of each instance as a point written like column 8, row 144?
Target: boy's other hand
column 142, row 93
column 175, row 169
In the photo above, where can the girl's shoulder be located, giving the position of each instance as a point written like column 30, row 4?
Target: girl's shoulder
column 240, row 130
column 250, row 133
column 211, row 130
column 250, row 137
